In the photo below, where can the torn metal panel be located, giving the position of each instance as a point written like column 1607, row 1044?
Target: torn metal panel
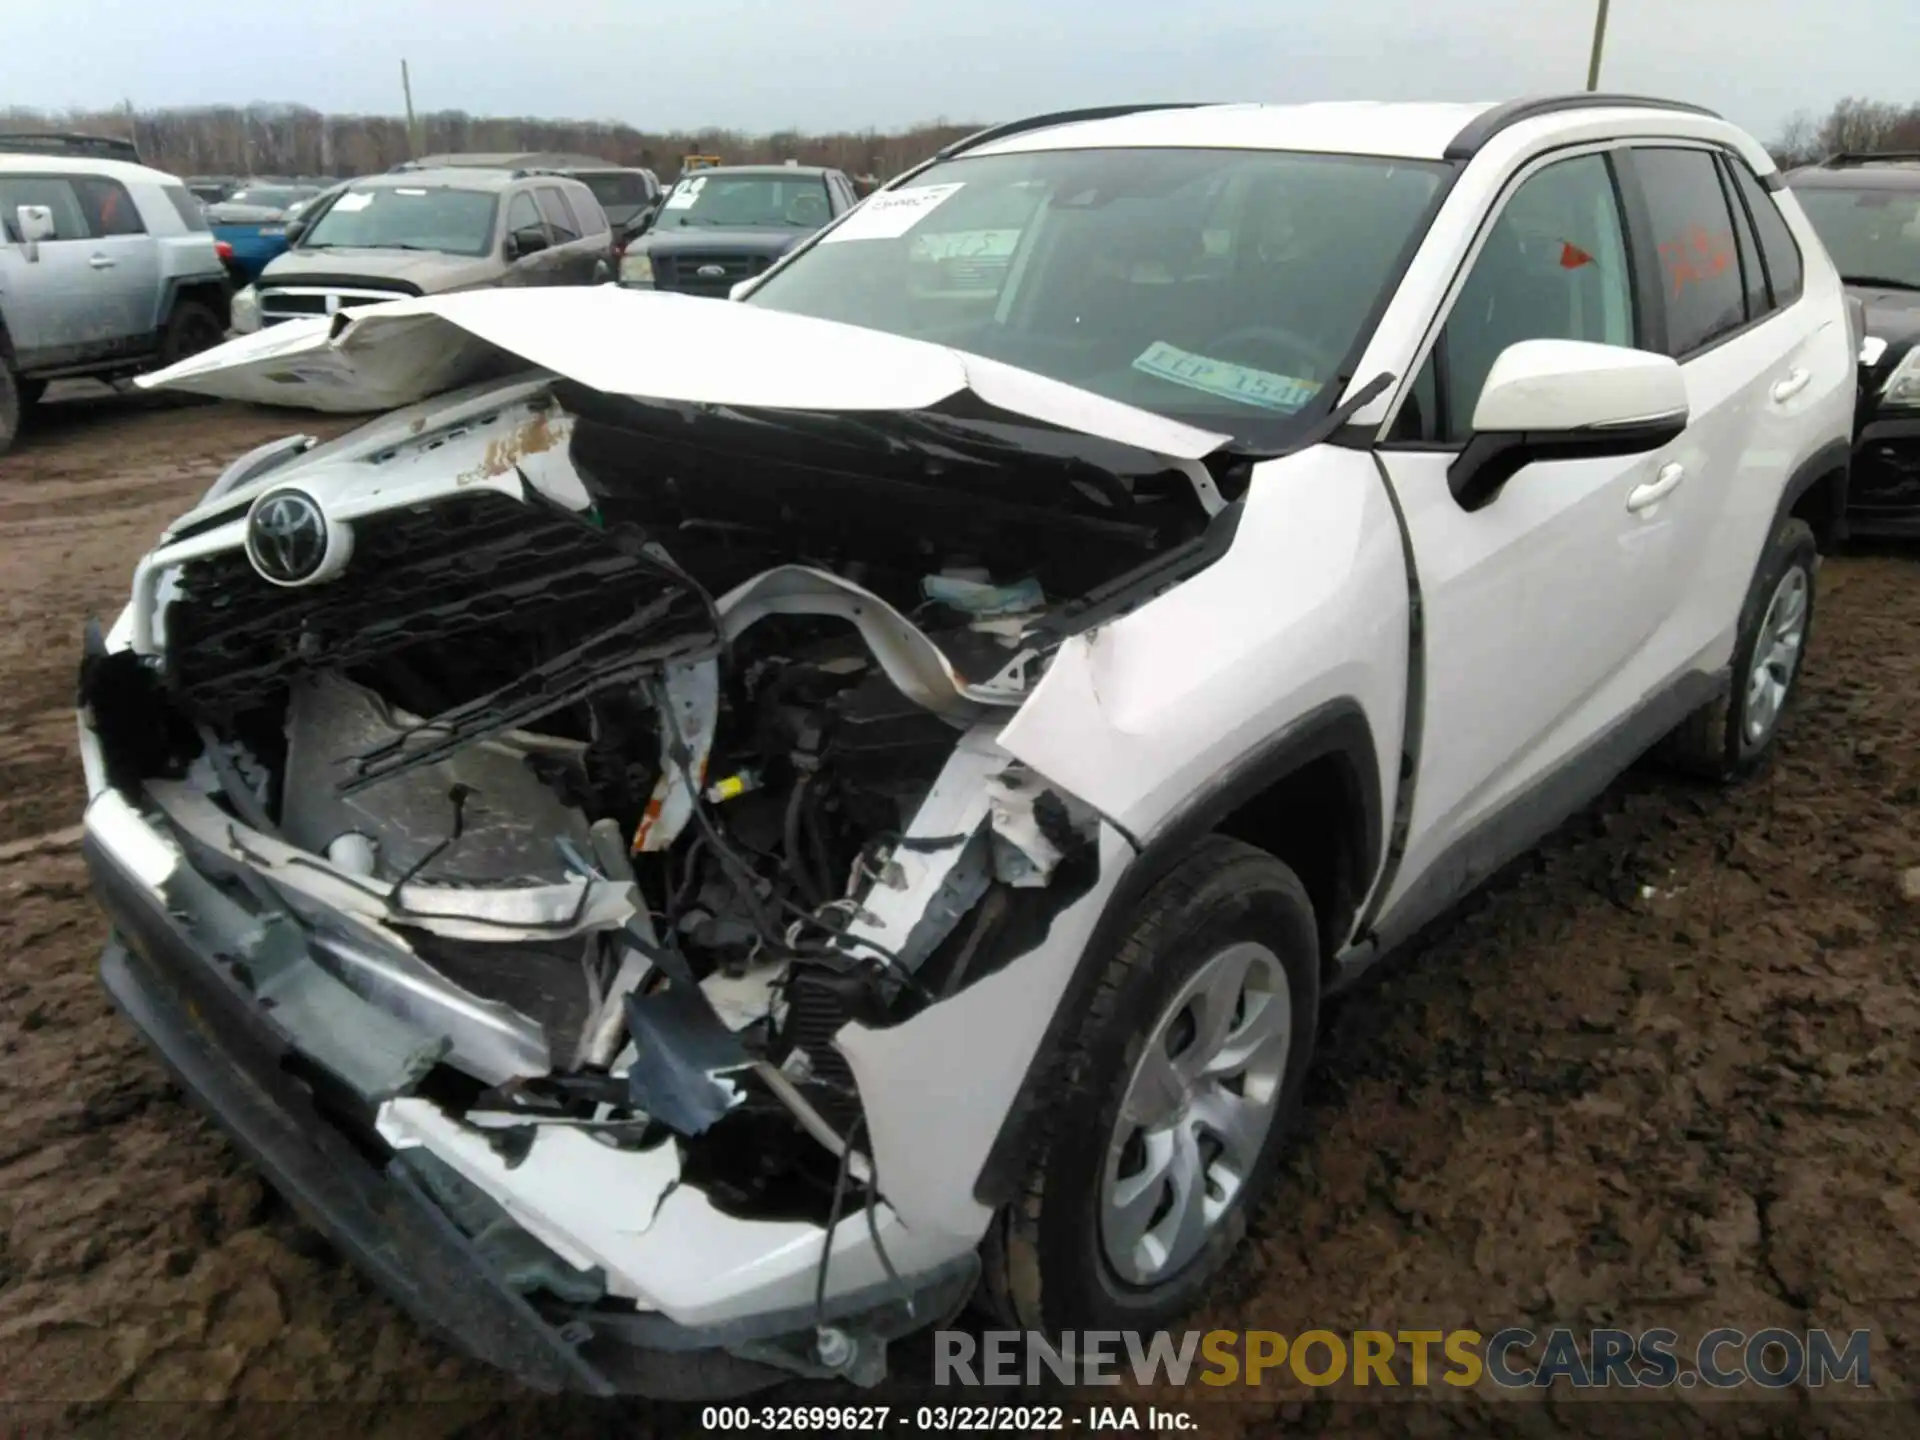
column 684, row 1056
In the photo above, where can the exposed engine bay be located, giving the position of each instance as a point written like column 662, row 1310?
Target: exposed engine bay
column 632, row 763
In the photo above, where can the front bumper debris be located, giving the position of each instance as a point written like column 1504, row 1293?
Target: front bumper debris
column 234, row 1062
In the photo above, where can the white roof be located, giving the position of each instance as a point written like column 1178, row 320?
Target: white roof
column 124, row 171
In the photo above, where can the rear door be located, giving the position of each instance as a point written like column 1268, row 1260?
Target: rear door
column 1748, row 381
column 1541, row 610
column 573, row 259
column 124, row 260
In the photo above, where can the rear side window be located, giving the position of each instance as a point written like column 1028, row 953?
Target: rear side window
column 1777, row 245
column 187, row 206
column 1699, row 256
column 585, row 209
column 55, row 192
column 109, row 208
column 559, row 215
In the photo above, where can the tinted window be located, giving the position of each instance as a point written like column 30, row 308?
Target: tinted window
column 187, row 206
column 109, row 208
column 1699, row 257
column 406, row 217
column 1753, row 272
column 1777, row 245
column 1553, row 267
column 1224, row 287
column 52, row 191
column 559, row 216
column 618, row 187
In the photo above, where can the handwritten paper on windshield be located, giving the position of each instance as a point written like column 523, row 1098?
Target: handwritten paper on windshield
column 685, row 194
column 1219, row 377
column 891, row 213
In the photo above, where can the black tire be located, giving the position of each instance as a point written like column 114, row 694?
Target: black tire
column 1046, row 1266
column 191, row 328
column 1714, row 742
column 12, row 405
column 30, row 393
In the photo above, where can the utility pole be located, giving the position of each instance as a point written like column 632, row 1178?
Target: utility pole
column 413, row 136
column 1599, row 43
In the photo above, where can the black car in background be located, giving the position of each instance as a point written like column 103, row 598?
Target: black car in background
column 1866, row 209
column 726, row 223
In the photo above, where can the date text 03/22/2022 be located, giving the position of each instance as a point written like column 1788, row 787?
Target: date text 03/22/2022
column 945, row 1419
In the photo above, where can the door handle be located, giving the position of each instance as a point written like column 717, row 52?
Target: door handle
column 1657, row 489
column 1795, row 382
column 102, row 262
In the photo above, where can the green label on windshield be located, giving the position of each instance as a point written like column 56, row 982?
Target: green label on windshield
column 1220, row 377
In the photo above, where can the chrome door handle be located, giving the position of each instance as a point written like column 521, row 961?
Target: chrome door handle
column 102, row 262
column 1656, row 490
column 1791, row 386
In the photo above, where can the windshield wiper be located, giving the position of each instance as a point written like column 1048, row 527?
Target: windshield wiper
column 1880, row 282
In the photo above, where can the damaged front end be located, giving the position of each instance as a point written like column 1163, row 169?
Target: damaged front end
column 590, row 812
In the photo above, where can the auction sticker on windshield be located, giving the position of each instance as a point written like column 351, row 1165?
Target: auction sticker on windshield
column 892, row 213
column 1220, row 377
column 685, row 194
column 353, row 200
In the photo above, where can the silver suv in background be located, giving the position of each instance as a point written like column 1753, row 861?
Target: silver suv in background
column 428, row 232
column 107, row 268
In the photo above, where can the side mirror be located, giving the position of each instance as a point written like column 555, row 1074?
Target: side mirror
column 526, row 241
column 36, row 224
column 1566, row 400
column 295, row 229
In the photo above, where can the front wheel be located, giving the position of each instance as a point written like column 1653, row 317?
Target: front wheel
column 12, row 404
column 1182, row 1083
column 1732, row 737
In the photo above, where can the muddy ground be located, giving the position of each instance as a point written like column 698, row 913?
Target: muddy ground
column 1664, row 1074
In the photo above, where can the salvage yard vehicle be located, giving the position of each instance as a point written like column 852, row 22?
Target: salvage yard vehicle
column 1866, row 209
column 714, row 832
column 252, row 224
column 627, row 193
column 725, row 224
column 106, row 270
column 430, row 232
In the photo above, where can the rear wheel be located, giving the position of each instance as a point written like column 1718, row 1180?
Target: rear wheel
column 1182, row 1084
column 191, row 328
column 1732, row 737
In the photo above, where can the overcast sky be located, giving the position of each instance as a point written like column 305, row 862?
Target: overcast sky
column 762, row 65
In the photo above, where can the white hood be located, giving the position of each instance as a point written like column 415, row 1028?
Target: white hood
column 642, row 343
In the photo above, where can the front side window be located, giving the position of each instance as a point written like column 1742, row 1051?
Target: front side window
column 53, row 191
column 1553, row 266
column 1225, row 288
column 1873, row 235
column 1699, row 254
column 406, row 217
column 746, row 202
column 553, row 205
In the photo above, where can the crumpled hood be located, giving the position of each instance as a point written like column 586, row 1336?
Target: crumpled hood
column 647, row 344
column 429, row 271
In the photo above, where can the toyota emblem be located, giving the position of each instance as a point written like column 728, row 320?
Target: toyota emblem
column 287, row 538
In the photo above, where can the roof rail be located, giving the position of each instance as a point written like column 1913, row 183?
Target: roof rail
column 1845, row 159
column 1060, row 117
column 98, row 147
column 1474, row 136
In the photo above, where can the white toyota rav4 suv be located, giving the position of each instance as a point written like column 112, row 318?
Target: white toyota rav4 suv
column 718, row 830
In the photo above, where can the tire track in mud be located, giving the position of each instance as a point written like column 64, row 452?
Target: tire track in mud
column 1663, row 1072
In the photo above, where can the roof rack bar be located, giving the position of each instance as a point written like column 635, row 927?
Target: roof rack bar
column 1841, row 159
column 1060, row 117
column 104, row 147
column 1475, row 135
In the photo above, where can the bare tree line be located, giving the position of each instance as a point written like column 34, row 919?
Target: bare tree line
column 296, row 140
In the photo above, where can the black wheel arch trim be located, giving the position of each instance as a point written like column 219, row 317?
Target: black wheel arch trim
column 1832, row 461
column 1336, row 728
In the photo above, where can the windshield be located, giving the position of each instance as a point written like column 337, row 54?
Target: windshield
column 270, row 197
column 1873, row 235
column 1225, row 288
column 616, row 189
column 457, row 222
column 736, row 202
